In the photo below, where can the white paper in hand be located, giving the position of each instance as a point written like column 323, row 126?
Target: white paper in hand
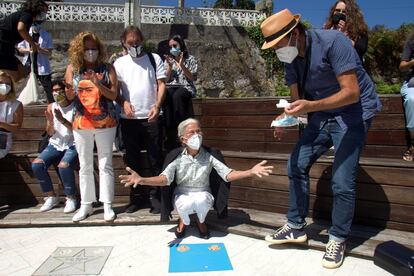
column 286, row 121
column 282, row 104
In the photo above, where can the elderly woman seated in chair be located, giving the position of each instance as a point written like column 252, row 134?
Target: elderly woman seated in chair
column 190, row 170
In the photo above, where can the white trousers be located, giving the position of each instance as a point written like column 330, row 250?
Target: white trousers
column 84, row 142
column 187, row 203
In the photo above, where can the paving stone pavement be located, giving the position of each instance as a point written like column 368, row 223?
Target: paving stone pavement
column 143, row 250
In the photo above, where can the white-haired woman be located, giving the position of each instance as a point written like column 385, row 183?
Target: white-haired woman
column 190, row 170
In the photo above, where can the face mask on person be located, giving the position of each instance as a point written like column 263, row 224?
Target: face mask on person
column 59, row 97
column 338, row 17
column 195, row 141
column 175, row 51
column 41, row 17
column 288, row 53
column 135, row 51
column 4, row 89
column 91, row 55
column 36, row 27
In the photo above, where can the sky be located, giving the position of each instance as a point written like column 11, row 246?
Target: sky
column 391, row 13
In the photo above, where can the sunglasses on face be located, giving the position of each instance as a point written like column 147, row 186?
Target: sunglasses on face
column 340, row 11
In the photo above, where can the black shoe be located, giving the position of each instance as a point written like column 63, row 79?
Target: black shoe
column 131, row 208
column 155, row 211
column 181, row 234
column 204, row 235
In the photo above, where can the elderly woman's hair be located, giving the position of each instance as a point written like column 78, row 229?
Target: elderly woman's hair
column 12, row 94
column 183, row 125
column 355, row 23
column 77, row 51
column 34, row 7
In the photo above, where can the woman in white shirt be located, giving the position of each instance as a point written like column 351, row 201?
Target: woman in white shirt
column 61, row 148
column 11, row 113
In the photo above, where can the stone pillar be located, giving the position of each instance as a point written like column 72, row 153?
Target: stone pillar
column 132, row 13
column 181, row 3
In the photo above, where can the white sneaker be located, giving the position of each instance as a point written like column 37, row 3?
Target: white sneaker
column 109, row 214
column 84, row 211
column 70, row 205
column 50, row 202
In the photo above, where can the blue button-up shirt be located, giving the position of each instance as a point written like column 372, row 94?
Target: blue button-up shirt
column 332, row 54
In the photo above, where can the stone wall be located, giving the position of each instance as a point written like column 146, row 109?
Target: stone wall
column 230, row 64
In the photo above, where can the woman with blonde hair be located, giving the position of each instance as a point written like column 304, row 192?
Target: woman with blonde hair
column 92, row 84
column 346, row 16
column 11, row 113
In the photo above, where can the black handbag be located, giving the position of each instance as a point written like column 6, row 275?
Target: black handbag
column 43, row 142
column 395, row 258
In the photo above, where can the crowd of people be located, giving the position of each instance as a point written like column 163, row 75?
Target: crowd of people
column 139, row 96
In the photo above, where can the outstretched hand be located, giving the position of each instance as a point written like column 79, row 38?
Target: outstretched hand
column 133, row 179
column 261, row 170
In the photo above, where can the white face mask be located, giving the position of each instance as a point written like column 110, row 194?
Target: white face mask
column 288, row 53
column 135, row 51
column 91, row 55
column 195, row 141
column 4, row 89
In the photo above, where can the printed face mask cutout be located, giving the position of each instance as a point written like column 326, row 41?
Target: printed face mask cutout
column 135, row 51
column 195, row 141
column 288, row 53
column 4, row 89
column 89, row 97
column 91, row 55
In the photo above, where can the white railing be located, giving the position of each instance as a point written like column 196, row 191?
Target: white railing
column 76, row 12
column 199, row 16
column 72, row 12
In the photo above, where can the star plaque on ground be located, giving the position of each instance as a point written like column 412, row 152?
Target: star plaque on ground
column 75, row 261
column 199, row 257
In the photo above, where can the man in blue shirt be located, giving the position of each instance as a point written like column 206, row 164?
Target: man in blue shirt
column 326, row 81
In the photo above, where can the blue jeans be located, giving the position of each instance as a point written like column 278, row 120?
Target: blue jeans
column 408, row 96
column 313, row 143
column 49, row 156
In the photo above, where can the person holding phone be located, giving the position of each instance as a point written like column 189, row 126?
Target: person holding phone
column 182, row 71
column 346, row 17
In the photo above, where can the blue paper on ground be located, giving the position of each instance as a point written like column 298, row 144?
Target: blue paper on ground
column 199, row 257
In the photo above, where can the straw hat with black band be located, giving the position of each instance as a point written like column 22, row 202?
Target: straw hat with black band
column 277, row 26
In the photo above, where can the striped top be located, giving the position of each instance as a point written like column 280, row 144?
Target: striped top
column 332, row 54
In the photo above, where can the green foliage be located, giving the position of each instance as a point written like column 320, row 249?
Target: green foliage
column 386, row 88
column 244, row 5
column 237, row 4
column 223, row 4
column 384, row 52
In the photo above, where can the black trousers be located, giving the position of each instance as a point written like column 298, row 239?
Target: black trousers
column 177, row 107
column 139, row 135
column 46, row 82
